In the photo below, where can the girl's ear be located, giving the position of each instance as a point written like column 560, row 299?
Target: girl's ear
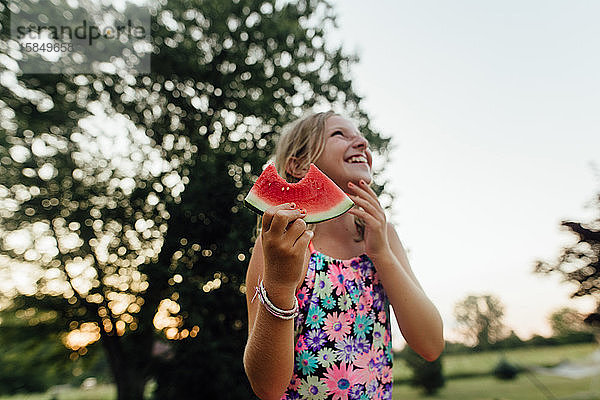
column 295, row 169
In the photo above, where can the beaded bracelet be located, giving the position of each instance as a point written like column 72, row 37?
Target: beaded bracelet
column 276, row 311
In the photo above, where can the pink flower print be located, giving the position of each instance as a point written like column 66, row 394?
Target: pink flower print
column 366, row 366
column 386, row 374
column 351, row 273
column 300, row 344
column 386, row 339
column 379, row 395
column 302, row 297
column 371, row 387
column 310, row 279
column 338, row 276
column 294, row 382
column 337, row 326
column 375, row 278
column 380, row 360
column 382, row 317
column 339, row 380
column 364, row 305
column 361, row 309
column 351, row 315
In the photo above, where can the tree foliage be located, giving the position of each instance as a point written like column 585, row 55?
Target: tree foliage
column 426, row 375
column 34, row 355
column 122, row 194
column 579, row 263
column 480, row 319
column 566, row 321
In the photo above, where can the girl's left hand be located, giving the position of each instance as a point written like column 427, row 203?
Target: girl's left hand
column 376, row 239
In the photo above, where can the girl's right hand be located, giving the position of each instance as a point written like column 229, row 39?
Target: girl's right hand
column 284, row 240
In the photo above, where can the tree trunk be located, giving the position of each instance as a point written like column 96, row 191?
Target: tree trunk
column 129, row 379
column 130, row 357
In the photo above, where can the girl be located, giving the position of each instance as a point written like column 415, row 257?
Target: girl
column 319, row 319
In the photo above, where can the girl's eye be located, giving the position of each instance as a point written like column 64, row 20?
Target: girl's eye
column 337, row 133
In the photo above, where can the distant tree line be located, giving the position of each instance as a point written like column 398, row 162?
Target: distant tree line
column 481, row 320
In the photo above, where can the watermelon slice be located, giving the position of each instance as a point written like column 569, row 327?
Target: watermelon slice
column 316, row 193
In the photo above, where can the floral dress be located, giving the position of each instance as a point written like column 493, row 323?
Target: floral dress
column 343, row 333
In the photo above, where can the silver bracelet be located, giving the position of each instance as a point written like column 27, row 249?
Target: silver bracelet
column 276, row 311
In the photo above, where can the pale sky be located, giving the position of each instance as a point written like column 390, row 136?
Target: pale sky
column 493, row 110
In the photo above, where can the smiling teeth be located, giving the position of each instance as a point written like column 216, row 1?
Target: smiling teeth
column 357, row 159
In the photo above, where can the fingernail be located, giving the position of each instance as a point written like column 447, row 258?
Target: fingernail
column 310, row 233
column 362, row 182
column 350, row 184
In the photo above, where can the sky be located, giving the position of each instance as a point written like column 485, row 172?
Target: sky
column 492, row 108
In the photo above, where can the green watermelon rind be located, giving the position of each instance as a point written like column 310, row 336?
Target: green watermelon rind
column 257, row 205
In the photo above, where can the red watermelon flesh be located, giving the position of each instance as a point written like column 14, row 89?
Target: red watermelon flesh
column 316, row 193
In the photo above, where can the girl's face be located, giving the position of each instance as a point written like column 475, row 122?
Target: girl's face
column 346, row 157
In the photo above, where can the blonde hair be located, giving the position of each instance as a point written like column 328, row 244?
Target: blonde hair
column 304, row 140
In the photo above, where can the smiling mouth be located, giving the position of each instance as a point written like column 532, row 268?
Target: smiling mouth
column 357, row 160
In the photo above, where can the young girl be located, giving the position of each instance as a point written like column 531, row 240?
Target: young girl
column 318, row 297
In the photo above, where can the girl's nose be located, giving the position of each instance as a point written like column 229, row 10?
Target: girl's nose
column 361, row 142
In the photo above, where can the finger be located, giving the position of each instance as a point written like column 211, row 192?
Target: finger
column 362, row 192
column 376, row 212
column 268, row 215
column 365, row 216
column 302, row 241
column 367, row 188
column 369, row 202
column 295, row 229
column 282, row 218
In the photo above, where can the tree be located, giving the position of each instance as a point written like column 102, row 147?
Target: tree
column 34, row 355
column 579, row 263
column 426, row 375
column 149, row 242
column 480, row 318
column 565, row 321
column 511, row 341
column 569, row 326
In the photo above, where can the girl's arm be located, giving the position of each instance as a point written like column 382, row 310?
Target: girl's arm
column 269, row 352
column 418, row 319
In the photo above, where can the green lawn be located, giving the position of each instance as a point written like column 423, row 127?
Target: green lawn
column 522, row 388
column 100, row 392
column 479, row 388
column 489, row 388
column 466, row 364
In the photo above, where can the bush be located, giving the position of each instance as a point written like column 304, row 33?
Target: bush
column 426, row 375
column 576, row 337
column 505, row 370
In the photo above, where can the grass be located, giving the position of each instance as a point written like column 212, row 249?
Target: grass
column 461, row 365
column 457, row 365
column 525, row 387
column 100, row 392
column 521, row 388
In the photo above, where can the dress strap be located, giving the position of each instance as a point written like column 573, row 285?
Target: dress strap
column 311, row 247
